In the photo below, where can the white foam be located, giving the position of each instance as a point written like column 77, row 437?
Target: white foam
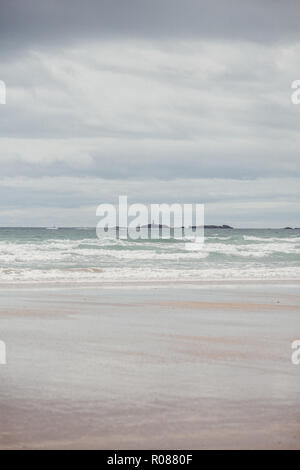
column 272, row 239
column 63, row 260
column 142, row 274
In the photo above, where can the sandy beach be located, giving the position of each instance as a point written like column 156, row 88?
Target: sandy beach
column 145, row 366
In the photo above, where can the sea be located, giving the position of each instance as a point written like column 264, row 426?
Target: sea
column 77, row 255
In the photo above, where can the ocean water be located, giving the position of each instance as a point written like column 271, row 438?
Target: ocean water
column 39, row 255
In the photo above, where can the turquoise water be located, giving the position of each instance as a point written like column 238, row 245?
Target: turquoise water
column 77, row 255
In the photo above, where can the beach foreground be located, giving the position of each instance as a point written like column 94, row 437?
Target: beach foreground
column 195, row 366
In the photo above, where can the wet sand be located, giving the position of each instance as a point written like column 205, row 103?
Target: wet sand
column 195, row 366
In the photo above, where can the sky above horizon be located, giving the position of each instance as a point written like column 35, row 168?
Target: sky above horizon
column 163, row 101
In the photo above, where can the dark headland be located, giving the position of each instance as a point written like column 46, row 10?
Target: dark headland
column 160, row 226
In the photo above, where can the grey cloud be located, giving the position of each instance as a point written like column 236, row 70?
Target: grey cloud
column 159, row 113
column 28, row 23
column 144, row 159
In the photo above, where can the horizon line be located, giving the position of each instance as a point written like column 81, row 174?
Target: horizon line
column 208, row 226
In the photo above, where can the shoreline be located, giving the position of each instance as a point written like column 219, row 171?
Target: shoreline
column 145, row 283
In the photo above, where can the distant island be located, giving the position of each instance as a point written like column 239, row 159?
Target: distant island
column 154, row 226
column 219, row 226
column 194, row 227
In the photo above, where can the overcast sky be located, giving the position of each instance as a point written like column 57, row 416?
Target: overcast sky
column 162, row 100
